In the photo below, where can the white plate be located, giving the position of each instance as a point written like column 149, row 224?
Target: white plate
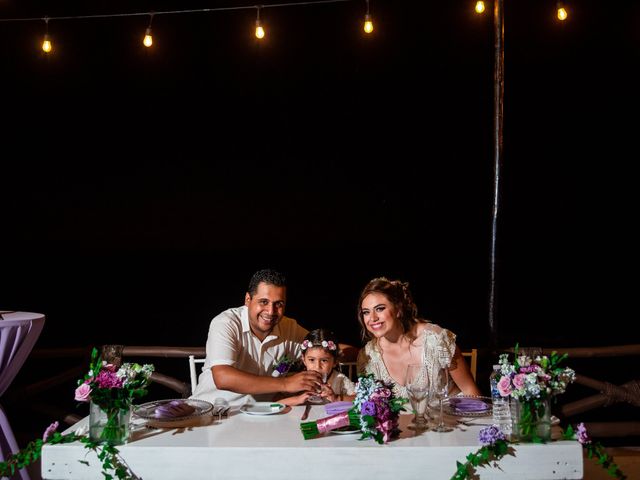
column 350, row 431
column 262, row 408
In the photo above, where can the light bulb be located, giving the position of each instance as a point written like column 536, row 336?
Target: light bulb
column 46, row 44
column 259, row 30
column 148, row 39
column 562, row 13
column 368, row 24
column 479, row 6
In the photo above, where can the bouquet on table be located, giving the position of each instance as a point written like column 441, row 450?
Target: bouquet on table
column 111, row 392
column 532, row 381
column 375, row 412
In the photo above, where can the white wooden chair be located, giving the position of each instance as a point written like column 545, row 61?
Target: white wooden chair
column 192, row 371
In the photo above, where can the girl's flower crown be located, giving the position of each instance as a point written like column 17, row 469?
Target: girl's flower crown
column 324, row 344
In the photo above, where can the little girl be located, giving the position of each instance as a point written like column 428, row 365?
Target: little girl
column 320, row 353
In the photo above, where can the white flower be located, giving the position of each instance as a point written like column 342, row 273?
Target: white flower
column 325, row 344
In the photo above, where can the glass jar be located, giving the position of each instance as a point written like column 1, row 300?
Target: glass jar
column 110, row 425
column 531, row 421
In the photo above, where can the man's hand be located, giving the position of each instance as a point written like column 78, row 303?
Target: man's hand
column 303, row 381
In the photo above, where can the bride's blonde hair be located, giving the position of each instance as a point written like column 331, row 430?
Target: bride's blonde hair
column 398, row 293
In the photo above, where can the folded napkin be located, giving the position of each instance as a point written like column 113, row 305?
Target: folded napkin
column 337, row 407
column 462, row 404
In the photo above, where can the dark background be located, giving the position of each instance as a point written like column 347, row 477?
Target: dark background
column 141, row 188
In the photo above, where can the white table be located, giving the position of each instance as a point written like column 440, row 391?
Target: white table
column 272, row 447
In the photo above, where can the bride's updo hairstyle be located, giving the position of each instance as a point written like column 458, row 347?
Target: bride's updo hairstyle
column 398, row 294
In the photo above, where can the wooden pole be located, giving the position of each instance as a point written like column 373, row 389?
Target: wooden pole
column 498, row 97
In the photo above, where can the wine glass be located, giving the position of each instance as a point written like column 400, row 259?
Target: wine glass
column 441, row 391
column 417, row 385
column 220, row 405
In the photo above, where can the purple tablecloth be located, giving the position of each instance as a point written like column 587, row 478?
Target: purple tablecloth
column 18, row 333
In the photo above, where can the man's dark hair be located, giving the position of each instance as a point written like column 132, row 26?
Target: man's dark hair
column 268, row 276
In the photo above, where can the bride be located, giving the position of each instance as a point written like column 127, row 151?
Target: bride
column 398, row 337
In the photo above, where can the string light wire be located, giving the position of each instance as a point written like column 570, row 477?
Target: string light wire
column 174, row 12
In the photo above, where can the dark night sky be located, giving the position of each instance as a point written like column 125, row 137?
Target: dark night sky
column 141, row 188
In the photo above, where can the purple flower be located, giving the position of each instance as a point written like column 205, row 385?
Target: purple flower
column 107, row 379
column 83, row 392
column 49, row 431
column 583, row 437
column 490, row 435
column 368, row 408
column 282, row 368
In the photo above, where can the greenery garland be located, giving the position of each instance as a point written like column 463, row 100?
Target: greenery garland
column 113, row 465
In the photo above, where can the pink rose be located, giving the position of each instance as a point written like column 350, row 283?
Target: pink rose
column 504, row 386
column 83, row 392
column 518, row 381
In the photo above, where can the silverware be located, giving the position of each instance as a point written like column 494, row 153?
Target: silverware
column 306, row 411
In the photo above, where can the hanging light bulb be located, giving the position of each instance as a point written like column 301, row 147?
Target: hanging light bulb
column 148, row 38
column 479, row 6
column 562, row 12
column 368, row 23
column 259, row 28
column 46, row 42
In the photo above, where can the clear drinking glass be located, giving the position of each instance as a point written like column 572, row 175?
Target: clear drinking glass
column 440, row 392
column 318, row 398
column 417, row 385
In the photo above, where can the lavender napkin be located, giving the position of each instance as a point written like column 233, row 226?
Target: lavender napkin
column 462, row 404
column 337, row 407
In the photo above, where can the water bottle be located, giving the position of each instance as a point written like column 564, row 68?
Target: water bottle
column 500, row 404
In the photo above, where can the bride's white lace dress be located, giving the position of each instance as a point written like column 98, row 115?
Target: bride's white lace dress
column 439, row 346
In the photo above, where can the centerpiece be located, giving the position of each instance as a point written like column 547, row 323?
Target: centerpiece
column 531, row 382
column 110, row 392
column 375, row 412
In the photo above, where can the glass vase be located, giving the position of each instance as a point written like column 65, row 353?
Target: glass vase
column 531, row 420
column 109, row 425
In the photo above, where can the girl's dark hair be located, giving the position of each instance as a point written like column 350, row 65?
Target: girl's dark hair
column 316, row 337
column 399, row 295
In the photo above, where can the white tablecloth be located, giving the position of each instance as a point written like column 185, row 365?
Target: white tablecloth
column 272, row 447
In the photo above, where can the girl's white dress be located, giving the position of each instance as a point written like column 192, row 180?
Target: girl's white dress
column 340, row 384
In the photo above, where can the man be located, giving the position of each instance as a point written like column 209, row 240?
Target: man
column 246, row 343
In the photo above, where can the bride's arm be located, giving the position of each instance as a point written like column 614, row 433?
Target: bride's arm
column 461, row 375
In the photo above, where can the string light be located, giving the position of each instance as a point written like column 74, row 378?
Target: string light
column 368, row 23
column 480, row 6
column 562, row 12
column 259, row 28
column 148, row 38
column 46, row 43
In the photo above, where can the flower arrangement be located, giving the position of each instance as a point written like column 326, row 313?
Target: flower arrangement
column 375, row 412
column 111, row 389
column 282, row 366
column 532, row 382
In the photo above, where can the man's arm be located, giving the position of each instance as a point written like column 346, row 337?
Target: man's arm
column 230, row 378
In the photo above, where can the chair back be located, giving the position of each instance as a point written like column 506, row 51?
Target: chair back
column 473, row 360
column 349, row 369
column 192, row 371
